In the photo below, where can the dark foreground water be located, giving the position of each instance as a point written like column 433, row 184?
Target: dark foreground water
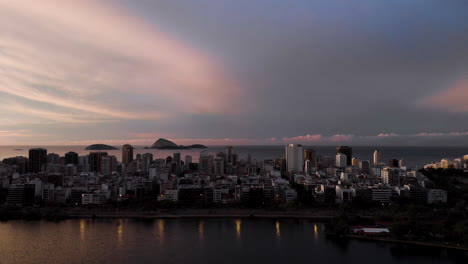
column 239, row 241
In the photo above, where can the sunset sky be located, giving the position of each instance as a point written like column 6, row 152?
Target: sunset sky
column 216, row 72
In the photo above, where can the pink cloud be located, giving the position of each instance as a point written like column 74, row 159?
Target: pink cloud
column 306, row 138
column 387, row 135
column 341, row 138
column 95, row 68
column 453, row 99
column 424, row 134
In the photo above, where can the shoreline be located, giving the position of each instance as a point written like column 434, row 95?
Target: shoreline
column 398, row 241
column 177, row 216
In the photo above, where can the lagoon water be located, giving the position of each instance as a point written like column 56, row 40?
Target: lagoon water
column 199, row 241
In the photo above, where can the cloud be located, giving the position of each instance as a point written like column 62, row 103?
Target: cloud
column 425, row 134
column 454, row 99
column 387, row 135
column 96, row 59
column 306, row 138
column 422, row 138
column 318, row 139
column 341, row 138
column 19, row 132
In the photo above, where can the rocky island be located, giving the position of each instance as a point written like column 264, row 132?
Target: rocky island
column 100, row 147
column 167, row 144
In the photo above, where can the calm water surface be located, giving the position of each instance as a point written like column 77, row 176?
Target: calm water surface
column 414, row 156
column 198, row 241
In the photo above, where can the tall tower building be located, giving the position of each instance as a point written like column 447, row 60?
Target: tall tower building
column 108, row 165
column 391, row 176
column 176, row 158
column 205, row 163
column 95, row 161
column 229, row 154
column 309, row 154
column 187, row 160
column 376, row 158
column 37, row 160
column 341, row 160
column 348, row 151
column 295, row 157
column 127, row 154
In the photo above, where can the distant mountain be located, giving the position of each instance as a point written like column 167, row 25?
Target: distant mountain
column 100, row 147
column 164, row 144
column 167, row 144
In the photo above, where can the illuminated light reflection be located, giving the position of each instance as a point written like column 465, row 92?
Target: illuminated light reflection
column 82, row 229
column 201, row 229
column 161, row 226
column 238, row 228
column 278, row 230
column 316, row 232
column 120, row 231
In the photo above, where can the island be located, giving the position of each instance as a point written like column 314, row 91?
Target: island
column 167, row 144
column 100, row 147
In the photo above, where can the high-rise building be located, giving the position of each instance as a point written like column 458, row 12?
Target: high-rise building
column 444, row 163
column 355, row 162
column 71, row 158
column 308, row 167
column 364, row 166
column 127, row 154
column 295, row 158
column 95, row 161
column 205, row 163
column 218, row 166
column 53, row 158
column 235, row 158
column 37, row 160
column 309, row 154
column 341, row 160
column 229, row 154
column 147, row 159
column 176, row 158
column 108, row 165
column 187, row 160
column 348, row 151
column 390, row 176
column 401, row 163
column 376, row 158
column 393, row 163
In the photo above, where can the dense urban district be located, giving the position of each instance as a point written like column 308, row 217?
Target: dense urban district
column 366, row 198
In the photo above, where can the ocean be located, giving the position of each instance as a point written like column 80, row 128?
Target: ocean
column 413, row 156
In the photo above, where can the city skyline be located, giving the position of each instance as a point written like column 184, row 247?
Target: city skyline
column 234, row 73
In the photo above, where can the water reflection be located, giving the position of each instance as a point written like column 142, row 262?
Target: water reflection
column 201, row 229
column 120, row 233
column 238, row 228
column 161, row 226
column 278, row 230
column 316, row 232
column 82, row 229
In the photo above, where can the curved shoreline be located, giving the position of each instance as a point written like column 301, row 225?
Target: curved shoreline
column 397, row 241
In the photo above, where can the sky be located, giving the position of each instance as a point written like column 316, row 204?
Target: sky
column 217, row 72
